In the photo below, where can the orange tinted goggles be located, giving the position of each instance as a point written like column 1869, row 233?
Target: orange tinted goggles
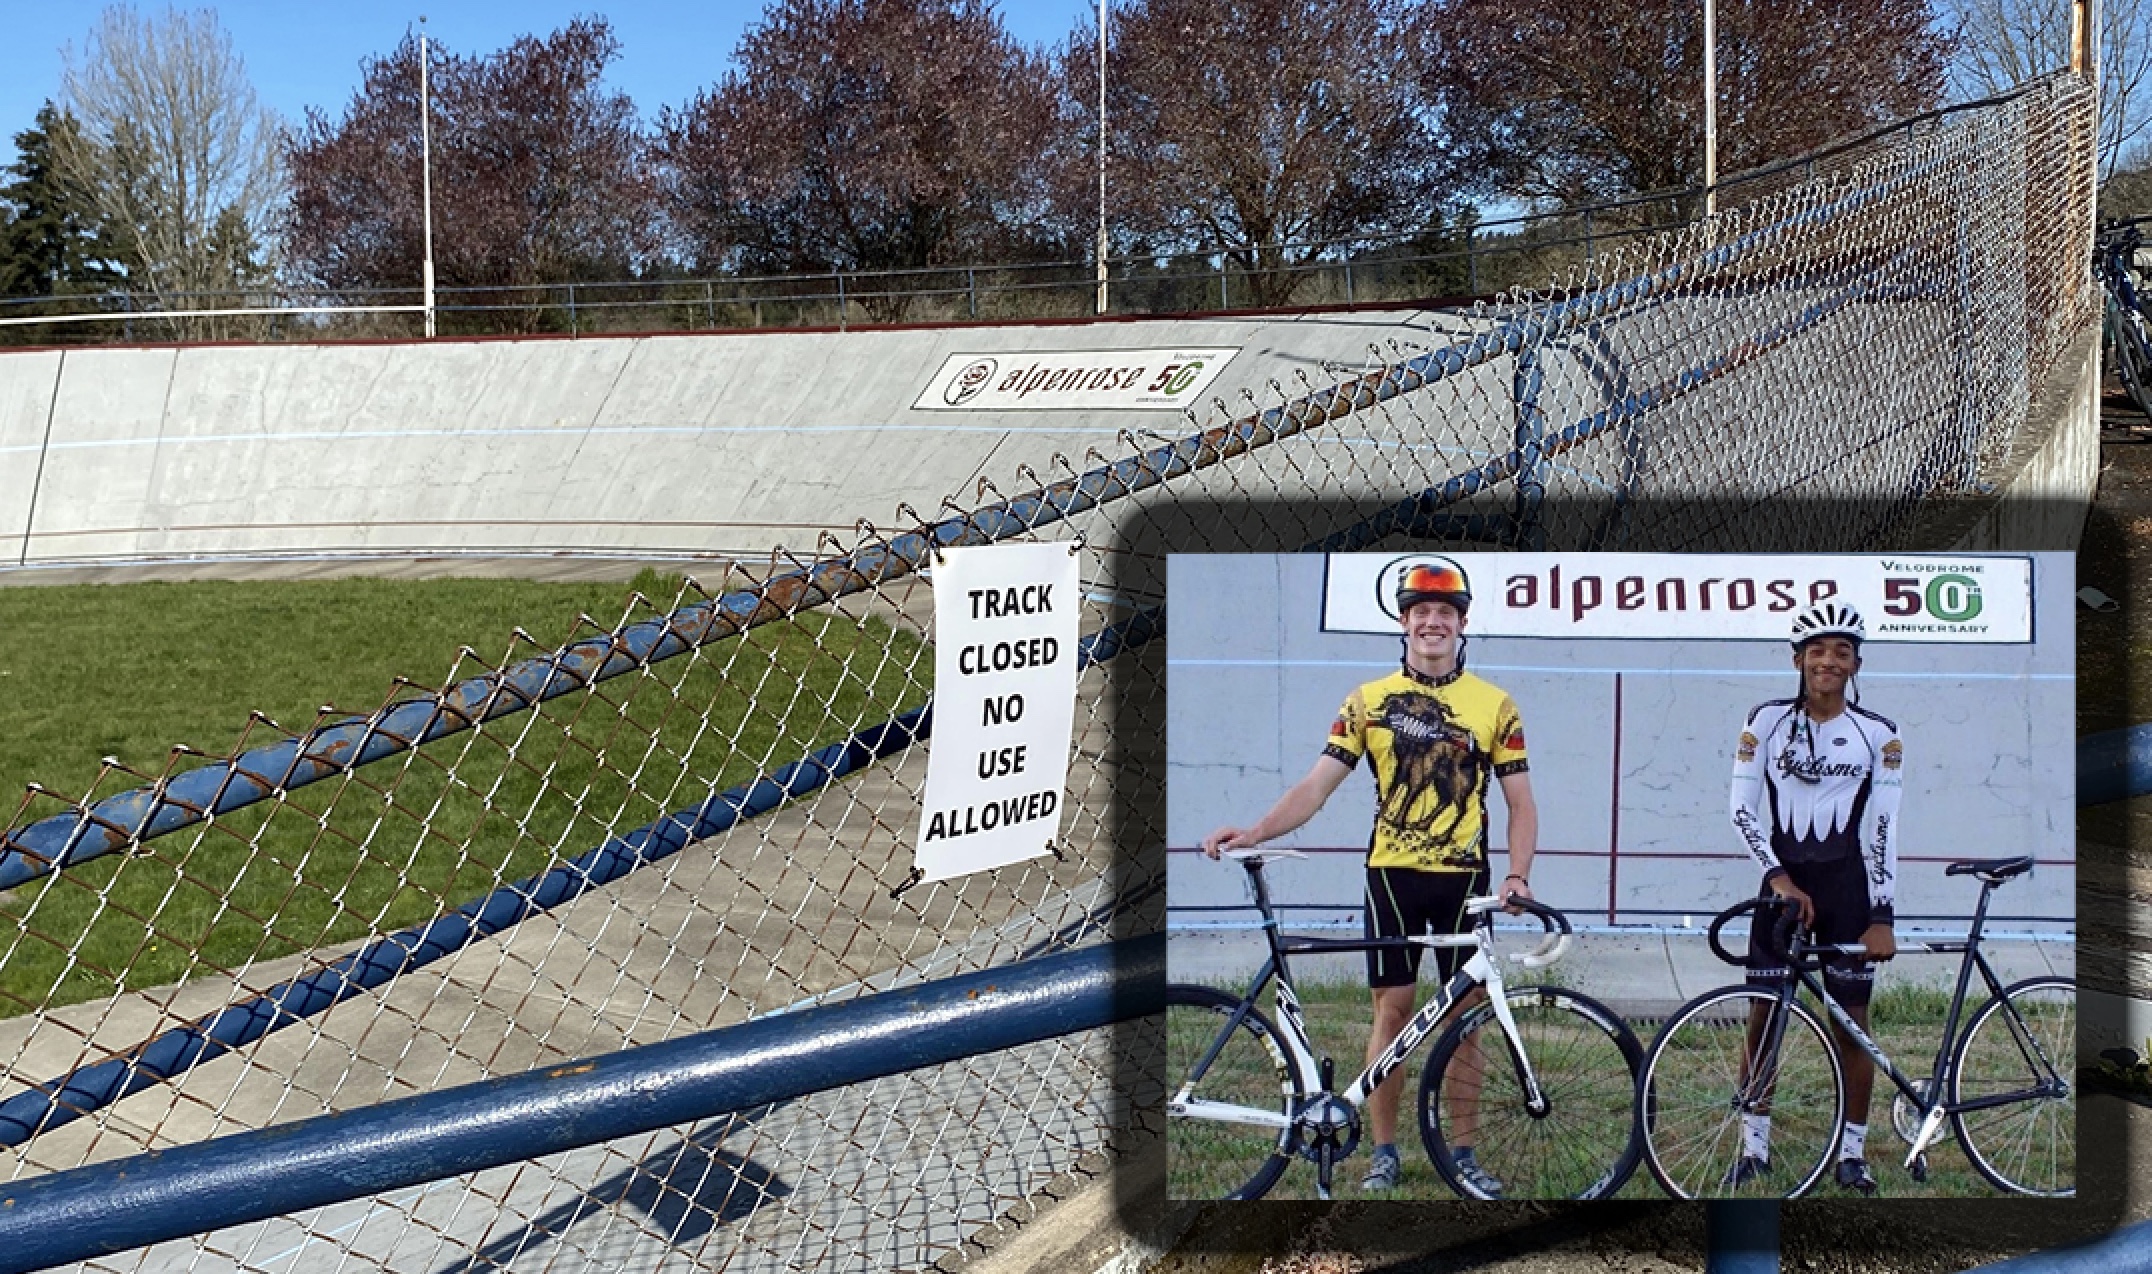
column 1433, row 579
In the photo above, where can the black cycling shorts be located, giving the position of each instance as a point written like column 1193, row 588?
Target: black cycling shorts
column 1404, row 903
column 1840, row 891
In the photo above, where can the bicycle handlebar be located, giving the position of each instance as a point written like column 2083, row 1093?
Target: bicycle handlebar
column 1781, row 940
column 1785, row 940
column 1554, row 943
column 1556, row 933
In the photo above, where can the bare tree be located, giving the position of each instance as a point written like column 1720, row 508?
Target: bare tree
column 865, row 135
column 178, row 155
column 1249, row 125
column 2003, row 43
column 540, row 173
column 1572, row 103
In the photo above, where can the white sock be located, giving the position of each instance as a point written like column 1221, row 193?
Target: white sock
column 1756, row 1136
column 1850, row 1143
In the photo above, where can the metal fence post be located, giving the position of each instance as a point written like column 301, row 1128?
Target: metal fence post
column 1348, row 281
column 1741, row 1236
column 971, row 289
column 840, row 301
column 1471, row 261
column 1531, row 429
column 575, row 327
column 709, row 302
column 1222, row 259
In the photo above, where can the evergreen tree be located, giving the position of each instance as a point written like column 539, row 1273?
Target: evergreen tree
column 50, row 237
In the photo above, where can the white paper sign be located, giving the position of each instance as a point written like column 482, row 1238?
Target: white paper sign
column 1968, row 598
column 1004, row 706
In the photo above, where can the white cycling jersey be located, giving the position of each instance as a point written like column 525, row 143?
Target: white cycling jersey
column 1829, row 790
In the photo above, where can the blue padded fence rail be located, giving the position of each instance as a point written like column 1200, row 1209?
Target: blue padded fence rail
column 61, row 840
column 2125, row 1251
column 169, row 1194
column 2115, row 765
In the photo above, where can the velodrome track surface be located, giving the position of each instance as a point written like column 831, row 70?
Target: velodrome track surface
column 712, row 443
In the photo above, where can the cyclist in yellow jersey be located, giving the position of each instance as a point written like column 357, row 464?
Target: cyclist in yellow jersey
column 1435, row 737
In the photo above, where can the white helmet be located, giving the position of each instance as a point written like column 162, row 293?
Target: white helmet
column 1828, row 619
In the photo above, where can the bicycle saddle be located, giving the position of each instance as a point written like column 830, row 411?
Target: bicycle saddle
column 1993, row 870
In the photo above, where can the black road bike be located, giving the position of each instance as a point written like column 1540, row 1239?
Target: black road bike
column 2003, row 1085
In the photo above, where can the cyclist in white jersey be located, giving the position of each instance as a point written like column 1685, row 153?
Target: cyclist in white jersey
column 1816, row 784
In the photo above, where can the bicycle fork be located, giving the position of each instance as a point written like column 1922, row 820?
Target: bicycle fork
column 1535, row 1097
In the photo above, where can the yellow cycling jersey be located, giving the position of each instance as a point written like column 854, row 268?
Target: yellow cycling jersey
column 1433, row 742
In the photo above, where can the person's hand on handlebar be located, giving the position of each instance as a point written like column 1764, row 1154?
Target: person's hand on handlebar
column 1226, row 838
column 1783, row 886
column 1514, row 886
column 1881, row 941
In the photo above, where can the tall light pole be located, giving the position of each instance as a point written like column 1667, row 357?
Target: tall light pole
column 425, row 163
column 1102, row 156
column 1711, row 107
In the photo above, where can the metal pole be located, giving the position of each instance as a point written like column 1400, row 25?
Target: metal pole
column 1711, row 107
column 1741, row 1236
column 2084, row 46
column 425, row 165
column 1101, row 156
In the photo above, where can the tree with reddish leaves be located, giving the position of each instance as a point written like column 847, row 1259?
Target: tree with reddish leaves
column 1576, row 103
column 539, row 171
column 1244, row 126
column 862, row 135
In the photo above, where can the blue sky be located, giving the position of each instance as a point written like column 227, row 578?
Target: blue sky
column 308, row 54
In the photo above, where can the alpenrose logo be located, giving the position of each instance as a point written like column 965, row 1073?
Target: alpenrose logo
column 970, row 381
column 1088, row 379
column 1724, row 596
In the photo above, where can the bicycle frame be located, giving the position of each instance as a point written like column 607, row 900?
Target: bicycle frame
column 1481, row 969
column 1934, row 1109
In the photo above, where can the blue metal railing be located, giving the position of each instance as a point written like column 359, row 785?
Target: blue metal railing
column 168, row 1194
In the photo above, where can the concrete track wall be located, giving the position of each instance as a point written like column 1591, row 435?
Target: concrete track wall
column 721, row 443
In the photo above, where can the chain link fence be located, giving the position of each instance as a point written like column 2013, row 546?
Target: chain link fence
column 701, row 813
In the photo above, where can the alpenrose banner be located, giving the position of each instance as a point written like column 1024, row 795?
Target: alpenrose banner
column 1090, row 380
column 1958, row 597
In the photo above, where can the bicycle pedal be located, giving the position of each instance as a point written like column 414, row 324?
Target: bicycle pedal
column 1918, row 1169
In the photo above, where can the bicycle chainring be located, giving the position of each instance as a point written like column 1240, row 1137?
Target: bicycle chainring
column 1905, row 1117
column 1328, row 1123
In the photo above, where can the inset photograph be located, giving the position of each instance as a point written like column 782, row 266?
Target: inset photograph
column 1575, row 876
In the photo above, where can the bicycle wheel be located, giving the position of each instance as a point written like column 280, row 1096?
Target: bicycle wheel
column 1690, row 1104
column 1583, row 1145
column 2029, row 1146
column 2132, row 367
column 1220, row 1158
